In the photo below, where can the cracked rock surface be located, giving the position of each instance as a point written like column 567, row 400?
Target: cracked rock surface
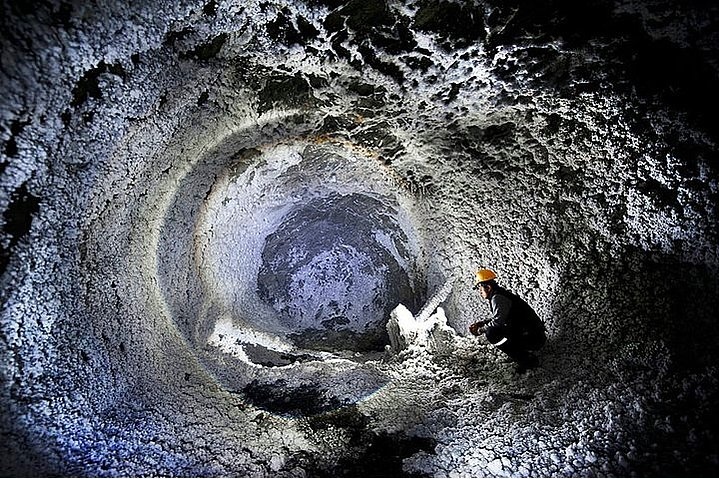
column 210, row 208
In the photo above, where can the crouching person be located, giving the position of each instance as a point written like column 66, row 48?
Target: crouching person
column 514, row 328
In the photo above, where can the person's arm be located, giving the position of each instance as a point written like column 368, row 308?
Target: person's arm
column 499, row 306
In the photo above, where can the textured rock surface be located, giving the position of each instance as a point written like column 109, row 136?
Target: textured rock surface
column 325, row 271
column 158, row 160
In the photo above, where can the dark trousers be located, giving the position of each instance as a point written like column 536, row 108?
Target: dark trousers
column 518, row 345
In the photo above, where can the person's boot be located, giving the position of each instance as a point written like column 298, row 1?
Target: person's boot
column 530, row 362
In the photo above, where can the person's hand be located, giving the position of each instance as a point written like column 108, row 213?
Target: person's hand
column 474, row 328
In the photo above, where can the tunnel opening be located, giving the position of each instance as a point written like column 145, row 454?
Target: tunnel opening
column 297, row 242
column 334, row 270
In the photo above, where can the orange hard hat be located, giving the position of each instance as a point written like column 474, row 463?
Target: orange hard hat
column 484, row 275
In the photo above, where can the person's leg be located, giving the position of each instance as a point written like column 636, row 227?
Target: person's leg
column 528, row 343
column 535, row 341
column 522, row 356
column 513, row 348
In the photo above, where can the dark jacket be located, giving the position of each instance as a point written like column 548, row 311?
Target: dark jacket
column 512, row 316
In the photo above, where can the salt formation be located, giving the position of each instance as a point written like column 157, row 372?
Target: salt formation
column 428, row 332
column 211, row 208
column 432, row 335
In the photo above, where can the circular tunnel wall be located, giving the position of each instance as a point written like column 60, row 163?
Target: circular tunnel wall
column 210, row 210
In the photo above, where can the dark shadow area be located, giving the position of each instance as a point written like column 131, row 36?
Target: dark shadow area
column 658, row 324
column 285, row 399
column 631, row 58
column 368, row 453
column 18, row 221
column 19, row 457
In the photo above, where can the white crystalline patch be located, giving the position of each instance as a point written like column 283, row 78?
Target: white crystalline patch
column 432, row 334
column 230, row 339
column 495, row 467
column 311, row 290
column 405, row 319
column 433, row 304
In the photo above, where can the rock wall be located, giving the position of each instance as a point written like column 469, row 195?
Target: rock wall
column 209, row 210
